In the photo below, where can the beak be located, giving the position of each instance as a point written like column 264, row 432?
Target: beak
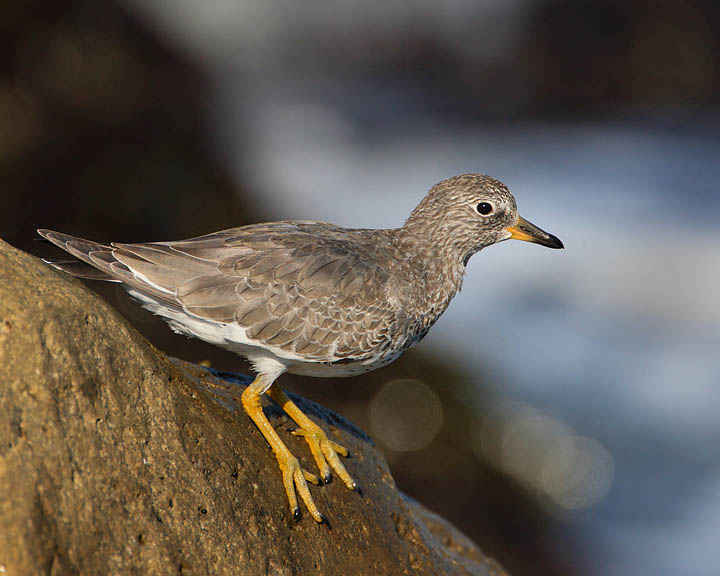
column 528, row 232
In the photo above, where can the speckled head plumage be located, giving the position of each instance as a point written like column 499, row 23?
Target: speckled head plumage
column 466, row 213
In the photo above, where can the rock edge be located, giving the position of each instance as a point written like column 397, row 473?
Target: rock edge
column 116, row 459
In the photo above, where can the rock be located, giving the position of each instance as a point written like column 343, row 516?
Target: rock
column 115, row 459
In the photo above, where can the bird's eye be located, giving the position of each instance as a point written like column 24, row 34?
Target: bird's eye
column 484, row 208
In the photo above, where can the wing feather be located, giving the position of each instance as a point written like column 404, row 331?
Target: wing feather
column 309, row 288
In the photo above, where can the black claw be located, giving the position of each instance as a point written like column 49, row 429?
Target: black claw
column 324, row 520
column 328, row 478
column 320, row 481
column 357, row 489
column 297, row 515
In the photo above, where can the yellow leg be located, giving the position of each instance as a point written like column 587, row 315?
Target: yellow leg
column 324, row 450
column 293, row 476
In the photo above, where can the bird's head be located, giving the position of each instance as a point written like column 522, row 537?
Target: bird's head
column 464, row 214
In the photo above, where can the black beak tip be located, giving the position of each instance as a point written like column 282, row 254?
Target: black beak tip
column 555, row 243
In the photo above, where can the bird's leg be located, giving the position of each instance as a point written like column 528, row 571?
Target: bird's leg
column 324, row 450
column 293, row 476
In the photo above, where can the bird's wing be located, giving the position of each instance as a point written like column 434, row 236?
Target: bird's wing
column 302, row 287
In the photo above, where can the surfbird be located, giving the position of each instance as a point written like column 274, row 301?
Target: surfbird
column 312, row 298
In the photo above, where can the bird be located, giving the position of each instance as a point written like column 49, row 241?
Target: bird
column 311, row 298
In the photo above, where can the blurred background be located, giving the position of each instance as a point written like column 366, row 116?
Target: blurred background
column 564, row 411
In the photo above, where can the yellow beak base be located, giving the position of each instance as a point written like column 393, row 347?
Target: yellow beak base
column 528, row 232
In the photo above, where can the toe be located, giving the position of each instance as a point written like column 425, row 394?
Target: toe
column 312, row 478
column 338, row 467
column 339, row 449
column 304, row 493
column 295, row 480
column 287, row 470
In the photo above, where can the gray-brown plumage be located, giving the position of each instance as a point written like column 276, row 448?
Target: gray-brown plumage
column 310, row 297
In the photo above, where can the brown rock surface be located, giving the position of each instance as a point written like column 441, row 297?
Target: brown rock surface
column 115, row 459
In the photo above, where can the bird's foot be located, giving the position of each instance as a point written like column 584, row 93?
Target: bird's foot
column 325, row 452
column 295, row 479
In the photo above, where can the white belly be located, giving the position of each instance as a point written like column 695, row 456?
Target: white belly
column 266, row 359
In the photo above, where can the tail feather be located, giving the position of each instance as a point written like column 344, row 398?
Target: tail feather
column 98, row 262
column 78, row 247
column 81, row 270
